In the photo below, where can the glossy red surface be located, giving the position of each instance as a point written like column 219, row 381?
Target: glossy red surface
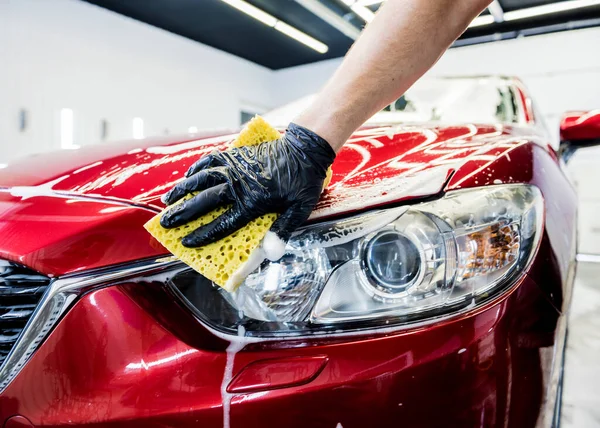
column 580, row 125
column 18, row 422
column 128, row 368
column 377, row 166
column 276, row 373
column 57, row 235
column 132, row 355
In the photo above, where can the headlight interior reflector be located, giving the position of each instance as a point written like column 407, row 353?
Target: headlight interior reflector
column 385, row 267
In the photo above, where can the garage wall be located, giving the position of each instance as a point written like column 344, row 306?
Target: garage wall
column 69, row 54
column 562, row 70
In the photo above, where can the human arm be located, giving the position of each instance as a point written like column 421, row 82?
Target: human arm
column 403, row 41
column 401, row 44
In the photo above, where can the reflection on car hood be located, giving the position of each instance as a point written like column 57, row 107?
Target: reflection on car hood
column 378, row 165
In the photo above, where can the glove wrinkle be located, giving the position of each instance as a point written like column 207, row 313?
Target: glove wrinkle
column 284, row 176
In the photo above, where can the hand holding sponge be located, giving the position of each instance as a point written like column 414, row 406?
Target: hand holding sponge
column 229, row 260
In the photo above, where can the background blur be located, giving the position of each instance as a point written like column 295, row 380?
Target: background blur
column 109, row 69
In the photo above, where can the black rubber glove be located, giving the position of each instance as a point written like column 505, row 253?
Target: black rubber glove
column 284, row 176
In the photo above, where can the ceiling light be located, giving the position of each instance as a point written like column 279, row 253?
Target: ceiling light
column 548, row 9
column 496, row 11
column 298, row 35
column 482, row 20
column 329, row 16
column 253, row 11
column 357, row 7
column 280, row 26
column 477, row 22
column 362, row 11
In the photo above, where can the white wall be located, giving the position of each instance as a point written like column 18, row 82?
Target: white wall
column 69, row 54
column 561, row 70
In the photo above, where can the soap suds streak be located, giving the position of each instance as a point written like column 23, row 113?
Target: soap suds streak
column 77, row 171
column 387, row 190
column 380, row 182
column 234, row 347
column 273, row 246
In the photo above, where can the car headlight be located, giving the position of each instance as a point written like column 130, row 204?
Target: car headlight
column 384, row 267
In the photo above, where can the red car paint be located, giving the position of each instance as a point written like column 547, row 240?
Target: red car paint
column 580, row 125
column 132, row 355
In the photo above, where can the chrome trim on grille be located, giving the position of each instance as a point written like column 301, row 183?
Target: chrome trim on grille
column 21, row 289
column 59, row 296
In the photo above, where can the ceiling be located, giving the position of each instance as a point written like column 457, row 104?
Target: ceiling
column 217, row 24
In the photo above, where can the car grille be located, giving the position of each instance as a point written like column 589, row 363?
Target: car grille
column 20, row 292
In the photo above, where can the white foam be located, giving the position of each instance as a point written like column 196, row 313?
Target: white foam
column 234, row 347
column 273, row 246
column 254, row 260
column 46, row 189
column 77, row 171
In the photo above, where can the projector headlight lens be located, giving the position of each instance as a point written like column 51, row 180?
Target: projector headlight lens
column 390, row 266
column 391, row 261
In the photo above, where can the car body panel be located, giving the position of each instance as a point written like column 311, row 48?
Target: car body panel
column 128, row 369
column 378, row 165
column 60, row 235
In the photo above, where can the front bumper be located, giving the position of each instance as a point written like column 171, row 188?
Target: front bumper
column 123, row 357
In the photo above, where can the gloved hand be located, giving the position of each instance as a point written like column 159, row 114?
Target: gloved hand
column 284, row 176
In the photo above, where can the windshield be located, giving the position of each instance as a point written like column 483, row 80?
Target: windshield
column 448, row 100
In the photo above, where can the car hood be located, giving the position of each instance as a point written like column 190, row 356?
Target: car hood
column 377, row 166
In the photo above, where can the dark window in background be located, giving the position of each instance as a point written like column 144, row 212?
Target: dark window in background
column 23, row 122
column 245, row 116
column 103, row 129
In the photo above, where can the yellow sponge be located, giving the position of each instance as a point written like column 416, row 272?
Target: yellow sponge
column 256, row 131
column 223, row 261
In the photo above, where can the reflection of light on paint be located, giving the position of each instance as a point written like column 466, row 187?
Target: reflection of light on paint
column 77, row 171
column 192, row 130
column 138, row 128
column 146, row 366
column 66, row 129
column 112, row 209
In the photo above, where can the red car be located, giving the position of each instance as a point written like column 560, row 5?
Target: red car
column 429, row 289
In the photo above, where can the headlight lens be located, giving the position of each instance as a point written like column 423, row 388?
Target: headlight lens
column 392, row 261
column 383, row 267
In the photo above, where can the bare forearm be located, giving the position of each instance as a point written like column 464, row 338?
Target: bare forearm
column 403, row 41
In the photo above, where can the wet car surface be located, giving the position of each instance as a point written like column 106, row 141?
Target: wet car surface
column 121, row 336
